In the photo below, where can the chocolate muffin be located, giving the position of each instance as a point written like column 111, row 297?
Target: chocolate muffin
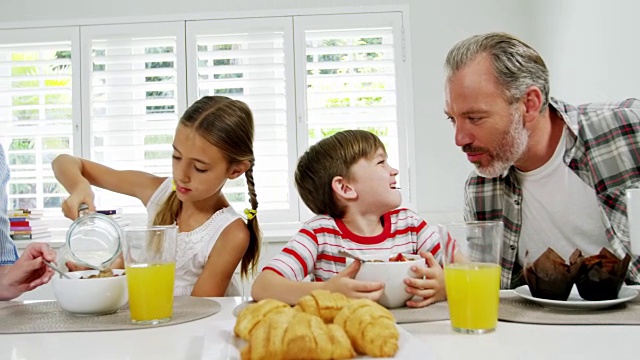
column 549, row 277
column 599, row 277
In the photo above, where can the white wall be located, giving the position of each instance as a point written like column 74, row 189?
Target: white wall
column 435, row 27
column 591, row 48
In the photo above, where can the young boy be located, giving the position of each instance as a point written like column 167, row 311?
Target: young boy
column 345, row 179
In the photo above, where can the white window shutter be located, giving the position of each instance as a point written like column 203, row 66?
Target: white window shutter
column 252, row 61
column 349, row 67
column 304, row 77
column 136, row 96
column 38, row 108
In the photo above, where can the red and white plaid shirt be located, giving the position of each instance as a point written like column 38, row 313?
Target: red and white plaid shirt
column 603, row 150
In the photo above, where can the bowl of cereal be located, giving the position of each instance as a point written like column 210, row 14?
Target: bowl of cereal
column 391, row 272
column 91, row 292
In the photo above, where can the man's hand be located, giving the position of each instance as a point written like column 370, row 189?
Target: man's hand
column 345, row 283
column 28, row 272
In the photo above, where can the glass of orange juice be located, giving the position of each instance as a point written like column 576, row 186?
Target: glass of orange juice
column 150, row 263
column 472, row 274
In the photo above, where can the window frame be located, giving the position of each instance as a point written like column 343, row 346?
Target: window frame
column 55, row 34
column 91, row 32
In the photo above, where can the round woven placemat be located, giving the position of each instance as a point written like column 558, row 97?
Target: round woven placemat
column 435, row 312
column 43, row 317
column 523, row 311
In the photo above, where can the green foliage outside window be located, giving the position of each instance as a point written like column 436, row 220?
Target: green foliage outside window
column 235, row 197
column 53, row 202
column 163, row 139
column 150, row 79
column 157, row 155
column 355, row 87
column 22, row 188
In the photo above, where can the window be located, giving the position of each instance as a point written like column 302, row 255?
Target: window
column 38, row 110
column 304, row 77
column 252, row 61
column 136, row 83
column 348, row 65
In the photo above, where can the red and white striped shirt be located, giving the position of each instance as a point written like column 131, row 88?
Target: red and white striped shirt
column 314, row 249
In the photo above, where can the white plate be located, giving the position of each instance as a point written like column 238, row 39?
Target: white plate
column 506, row 292
column 241, row 307
column 220, row 343
column 575, row 302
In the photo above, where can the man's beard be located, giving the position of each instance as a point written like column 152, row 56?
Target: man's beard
column 508, row 150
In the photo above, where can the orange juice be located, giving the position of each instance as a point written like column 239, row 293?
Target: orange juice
column 151, row 291
column 473, row 292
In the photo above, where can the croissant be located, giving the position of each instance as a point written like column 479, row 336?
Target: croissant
column 370, row 327
column 296, row 335
column 341, row 345
column 322, row 303
column 253, row 314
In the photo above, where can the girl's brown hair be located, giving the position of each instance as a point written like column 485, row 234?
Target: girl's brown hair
column 228, row 125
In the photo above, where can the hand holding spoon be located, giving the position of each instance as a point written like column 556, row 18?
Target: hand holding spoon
column 57, row 269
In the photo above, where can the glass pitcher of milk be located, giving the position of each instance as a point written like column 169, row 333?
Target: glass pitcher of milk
column 93, row 239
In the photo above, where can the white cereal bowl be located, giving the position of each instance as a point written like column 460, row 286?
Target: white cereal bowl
column 392, row 274
column 97, row 296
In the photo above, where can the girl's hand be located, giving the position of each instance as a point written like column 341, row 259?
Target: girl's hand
column 82, row 195
column 430, row 286
column 345, row 283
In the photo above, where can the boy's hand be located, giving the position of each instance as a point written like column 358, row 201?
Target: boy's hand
column 345, row 283
column 431, row 288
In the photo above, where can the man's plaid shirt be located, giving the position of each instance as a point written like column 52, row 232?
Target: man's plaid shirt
column 603, row 150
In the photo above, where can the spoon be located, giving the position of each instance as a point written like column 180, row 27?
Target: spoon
column 349, row 255
column 57, row 269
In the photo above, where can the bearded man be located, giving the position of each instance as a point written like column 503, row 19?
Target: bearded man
column 555, row 174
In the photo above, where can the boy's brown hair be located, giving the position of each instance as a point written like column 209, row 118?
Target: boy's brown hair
column 331, row 157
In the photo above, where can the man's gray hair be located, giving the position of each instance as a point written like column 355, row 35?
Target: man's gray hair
column 516, row 64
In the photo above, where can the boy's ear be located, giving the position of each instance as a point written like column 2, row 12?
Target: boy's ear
column 343, row 189
column 238, row 169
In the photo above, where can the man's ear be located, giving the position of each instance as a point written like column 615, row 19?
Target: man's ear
column 532, row 101
column 343, row 189
column 237, row 169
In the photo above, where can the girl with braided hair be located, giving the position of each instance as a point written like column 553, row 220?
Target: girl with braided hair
column 213, row 142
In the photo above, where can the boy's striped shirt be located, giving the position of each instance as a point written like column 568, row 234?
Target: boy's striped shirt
column 314, row 249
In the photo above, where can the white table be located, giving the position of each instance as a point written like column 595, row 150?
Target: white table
column 190, row 341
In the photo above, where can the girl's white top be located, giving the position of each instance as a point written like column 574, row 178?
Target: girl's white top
column 193, row 247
